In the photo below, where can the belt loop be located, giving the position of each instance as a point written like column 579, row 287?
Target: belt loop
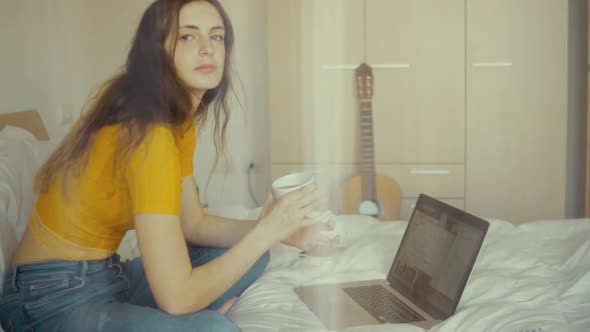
column 84, row 268
column 109, row 262
column 13, row 278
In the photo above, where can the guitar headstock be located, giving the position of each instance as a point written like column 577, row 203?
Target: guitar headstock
column 364, row 81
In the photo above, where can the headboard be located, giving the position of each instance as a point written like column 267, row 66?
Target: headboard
column 28, row 120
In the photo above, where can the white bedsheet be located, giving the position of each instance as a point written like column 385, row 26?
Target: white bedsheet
column 532, row 277
column 20, row 157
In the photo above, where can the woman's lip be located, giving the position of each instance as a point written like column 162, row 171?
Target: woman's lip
column 206, row 68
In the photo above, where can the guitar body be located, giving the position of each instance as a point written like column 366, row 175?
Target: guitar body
column 388, row 196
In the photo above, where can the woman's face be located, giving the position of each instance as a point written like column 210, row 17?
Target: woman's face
column 200, row 50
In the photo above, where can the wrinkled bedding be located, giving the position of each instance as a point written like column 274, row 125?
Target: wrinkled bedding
column 531, row 277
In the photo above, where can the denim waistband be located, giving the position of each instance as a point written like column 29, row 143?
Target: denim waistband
column 59, row 269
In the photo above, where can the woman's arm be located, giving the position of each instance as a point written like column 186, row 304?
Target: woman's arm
column 177, row 287
column 153, row 177
column 180, row 289
column 202, row 229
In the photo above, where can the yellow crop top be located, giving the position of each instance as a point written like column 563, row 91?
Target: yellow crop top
column 91, row 221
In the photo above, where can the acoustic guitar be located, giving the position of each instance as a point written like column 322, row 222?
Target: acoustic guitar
column 368, row 193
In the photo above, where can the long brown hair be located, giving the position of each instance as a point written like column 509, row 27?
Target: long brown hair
column 148, row 91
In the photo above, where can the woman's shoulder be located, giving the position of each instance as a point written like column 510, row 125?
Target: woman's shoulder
column 161, row 131
column 159, row 137
column 156, row 133
column 170, row 131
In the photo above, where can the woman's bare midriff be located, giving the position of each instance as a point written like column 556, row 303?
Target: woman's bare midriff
column 29, row 250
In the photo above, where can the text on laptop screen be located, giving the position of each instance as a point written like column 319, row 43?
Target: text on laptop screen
column 435, row 258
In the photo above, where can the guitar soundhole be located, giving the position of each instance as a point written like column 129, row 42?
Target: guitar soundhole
column 369, row 208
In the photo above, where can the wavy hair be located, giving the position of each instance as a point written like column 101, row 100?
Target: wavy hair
column 147, row 92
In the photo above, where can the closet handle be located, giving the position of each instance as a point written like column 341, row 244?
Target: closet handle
column 440, row 171
column 491, row 64
column 375, row 66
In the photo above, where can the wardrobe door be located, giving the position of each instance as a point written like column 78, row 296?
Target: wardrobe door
column 516, row 108
column 587, row 214
column 284, row 80
column 313, row 48
column 417, row 49
column 334, row 48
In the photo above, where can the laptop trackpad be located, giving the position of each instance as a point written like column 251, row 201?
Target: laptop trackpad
column 334, row 307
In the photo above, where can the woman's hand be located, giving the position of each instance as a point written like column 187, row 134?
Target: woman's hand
column 308, row 238
column 280, row 219
column 311, row 239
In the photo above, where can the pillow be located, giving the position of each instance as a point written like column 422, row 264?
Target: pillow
column 19, row 159
column 7, row 246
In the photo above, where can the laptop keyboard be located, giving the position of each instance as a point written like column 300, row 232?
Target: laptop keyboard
column 382, row 304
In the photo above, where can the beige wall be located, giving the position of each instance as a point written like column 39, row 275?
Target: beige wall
column 24, row 80
column 56, row 52
column 248, row 130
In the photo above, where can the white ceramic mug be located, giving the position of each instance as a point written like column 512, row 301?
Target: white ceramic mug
column 288, row 183
column 293, row 181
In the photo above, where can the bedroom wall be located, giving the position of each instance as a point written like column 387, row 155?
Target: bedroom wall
column 248, row 129
column 55, row 53
column 23, row 83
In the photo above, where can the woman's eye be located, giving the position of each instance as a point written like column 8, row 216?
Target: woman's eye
column 186, row 37
column 217, row 37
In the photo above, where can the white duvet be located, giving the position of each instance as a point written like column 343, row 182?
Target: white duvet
column 20, row 156
column 532, row 277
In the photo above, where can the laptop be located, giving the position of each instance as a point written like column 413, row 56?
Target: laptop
column 425, row 281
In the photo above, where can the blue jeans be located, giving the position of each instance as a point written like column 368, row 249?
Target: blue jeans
column 104, row 295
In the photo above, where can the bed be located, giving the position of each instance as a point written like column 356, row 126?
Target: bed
column 24, row 144
column 530, row 277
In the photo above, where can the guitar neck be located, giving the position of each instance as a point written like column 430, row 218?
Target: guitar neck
column 367, row 149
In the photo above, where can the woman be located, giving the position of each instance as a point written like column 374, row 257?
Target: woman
column 126, row 164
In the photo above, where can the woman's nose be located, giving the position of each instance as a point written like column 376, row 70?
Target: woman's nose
column 205, row 48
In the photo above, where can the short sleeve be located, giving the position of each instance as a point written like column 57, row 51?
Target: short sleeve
column 153, row 174
column 186, row 147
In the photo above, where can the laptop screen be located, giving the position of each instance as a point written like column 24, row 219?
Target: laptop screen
column 436, row 256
